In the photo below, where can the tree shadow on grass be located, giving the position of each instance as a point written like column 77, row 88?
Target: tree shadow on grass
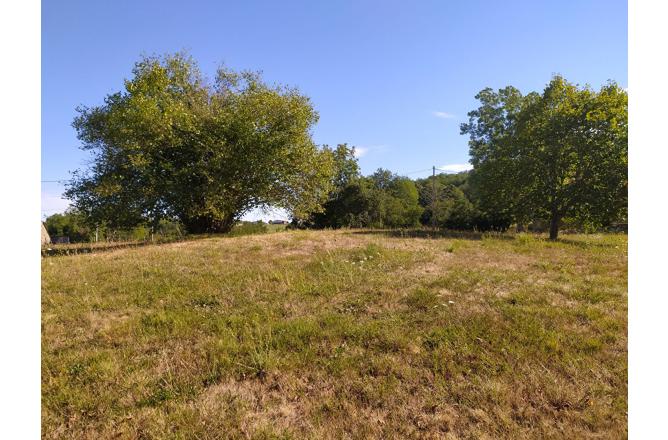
column 476, row 235
column 433, row 234
column 585, row 244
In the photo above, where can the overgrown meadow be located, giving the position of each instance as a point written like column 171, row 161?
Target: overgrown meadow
column 338, row 334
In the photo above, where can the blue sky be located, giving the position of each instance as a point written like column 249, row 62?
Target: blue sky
column 392, row 78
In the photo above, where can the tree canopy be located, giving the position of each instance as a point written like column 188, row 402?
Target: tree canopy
column 559, row 154
column 172, row 145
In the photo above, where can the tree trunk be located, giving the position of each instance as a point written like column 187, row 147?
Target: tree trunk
column 554, row 226
column 225, row 225
column 208, row 225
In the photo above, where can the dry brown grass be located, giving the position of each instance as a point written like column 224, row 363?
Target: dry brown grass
column 338, row 334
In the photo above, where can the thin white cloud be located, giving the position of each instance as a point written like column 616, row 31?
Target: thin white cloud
column 363, row 150
column 360, row 151
column 444, row 115
column 456, row 167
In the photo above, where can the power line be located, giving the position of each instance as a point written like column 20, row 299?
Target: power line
column 418, row 171
column 434, row 170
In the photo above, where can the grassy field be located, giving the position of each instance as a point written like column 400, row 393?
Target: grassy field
column 344, row 334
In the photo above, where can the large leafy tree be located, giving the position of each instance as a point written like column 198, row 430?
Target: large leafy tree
column 173, row 145
column 559, row 154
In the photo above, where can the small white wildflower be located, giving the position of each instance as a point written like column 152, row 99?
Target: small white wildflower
column 451, row 302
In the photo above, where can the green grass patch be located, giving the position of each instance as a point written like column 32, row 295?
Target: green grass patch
column 339, row 334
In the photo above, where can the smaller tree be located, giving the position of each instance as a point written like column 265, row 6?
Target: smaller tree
column 347, row 201
column 69, row 224
column 380, row 200
column 345, row 165
column 453, row 210
column 394, row 200
column 437, row 197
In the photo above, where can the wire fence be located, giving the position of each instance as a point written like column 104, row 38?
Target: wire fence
column 99, row 239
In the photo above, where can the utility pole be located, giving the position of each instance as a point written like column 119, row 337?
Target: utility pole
column 433, row 197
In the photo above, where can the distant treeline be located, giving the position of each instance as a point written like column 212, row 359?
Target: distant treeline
column 387, row 200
